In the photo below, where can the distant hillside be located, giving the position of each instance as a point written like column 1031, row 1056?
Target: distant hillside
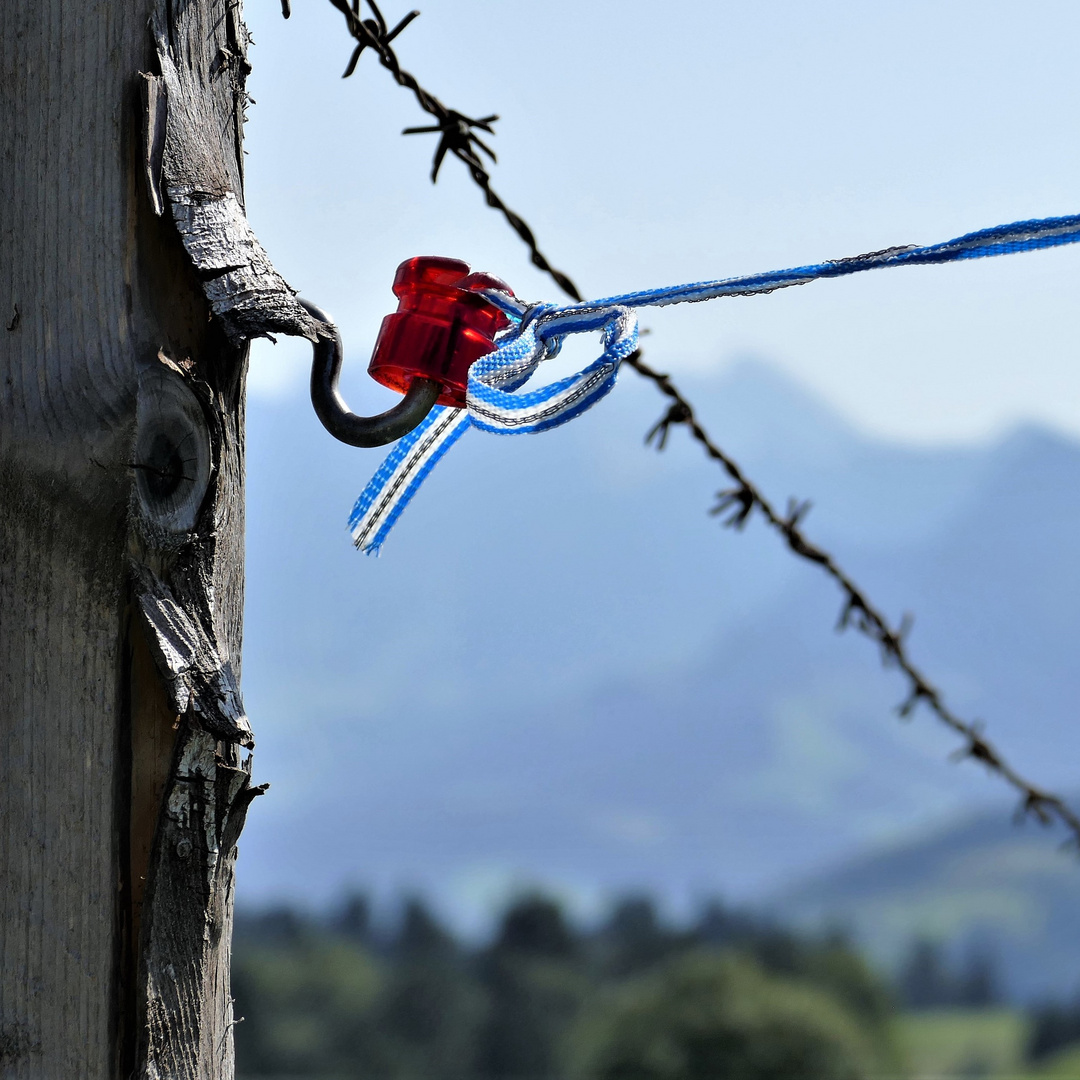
column 562, row 669
column 1012, row 889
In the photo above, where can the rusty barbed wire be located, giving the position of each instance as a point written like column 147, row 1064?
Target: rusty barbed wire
column 456, row 131
column 739, row 503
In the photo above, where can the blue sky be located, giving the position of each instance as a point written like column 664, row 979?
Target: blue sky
column 652, row 144
column 646, row 145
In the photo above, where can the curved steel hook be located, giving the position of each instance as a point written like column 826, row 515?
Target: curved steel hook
column 335, row 415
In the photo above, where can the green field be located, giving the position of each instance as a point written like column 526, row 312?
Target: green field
column 986, row 1043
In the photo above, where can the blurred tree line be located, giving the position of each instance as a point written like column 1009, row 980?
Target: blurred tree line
column 1055, row 1026
column 928, row 980
column 731, row 995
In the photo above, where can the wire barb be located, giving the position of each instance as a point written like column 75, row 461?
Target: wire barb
column 457, row 137
column 676, row 414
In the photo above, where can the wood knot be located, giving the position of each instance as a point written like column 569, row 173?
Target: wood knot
column 172, row 453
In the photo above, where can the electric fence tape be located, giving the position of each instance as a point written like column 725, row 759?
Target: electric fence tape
column 537, row 333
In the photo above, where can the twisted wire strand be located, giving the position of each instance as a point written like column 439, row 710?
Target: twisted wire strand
column 740, row 502
column 456, row 130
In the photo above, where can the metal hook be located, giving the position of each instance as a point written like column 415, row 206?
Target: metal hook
column 335, row 414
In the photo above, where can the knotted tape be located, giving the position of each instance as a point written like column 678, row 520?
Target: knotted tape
column 496, row 403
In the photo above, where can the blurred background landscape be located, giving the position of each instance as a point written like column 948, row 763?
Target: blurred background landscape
column 660, row 708
column 572, row 780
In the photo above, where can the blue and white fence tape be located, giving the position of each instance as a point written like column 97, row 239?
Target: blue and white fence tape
column 495, row 404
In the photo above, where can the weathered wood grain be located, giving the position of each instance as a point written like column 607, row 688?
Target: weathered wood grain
column 61, row 691
column 123, row 778
column 69, row 262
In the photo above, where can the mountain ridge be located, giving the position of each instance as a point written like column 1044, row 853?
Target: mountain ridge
column 983, row 881
column 562, row 670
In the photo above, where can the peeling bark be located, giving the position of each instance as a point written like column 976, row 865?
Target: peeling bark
column 197, row 678
column 187, row 171
column 186, row 1028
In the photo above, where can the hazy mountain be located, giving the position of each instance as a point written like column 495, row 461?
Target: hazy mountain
column 980, row 883
column 562, row 669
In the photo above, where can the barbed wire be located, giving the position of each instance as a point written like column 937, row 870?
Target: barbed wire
column 456, row 131
column 458, row 137
column 741, row 501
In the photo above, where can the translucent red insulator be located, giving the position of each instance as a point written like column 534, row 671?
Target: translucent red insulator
column 441, row 326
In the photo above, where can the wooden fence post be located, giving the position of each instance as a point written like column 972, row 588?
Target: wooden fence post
column 129, row 287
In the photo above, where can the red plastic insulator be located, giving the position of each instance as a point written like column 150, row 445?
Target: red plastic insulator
column 441, row 326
